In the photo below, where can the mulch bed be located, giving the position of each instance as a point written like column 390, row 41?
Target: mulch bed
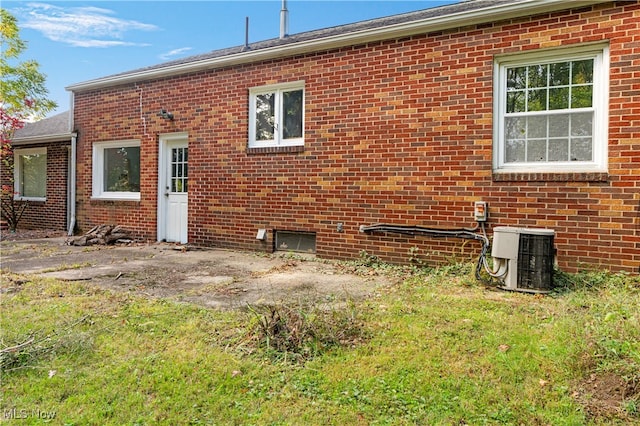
column 30, row 234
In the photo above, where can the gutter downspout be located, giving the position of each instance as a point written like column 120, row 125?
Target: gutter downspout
column 72, row 186
column 72, row 172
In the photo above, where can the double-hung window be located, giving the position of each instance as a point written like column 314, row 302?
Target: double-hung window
column 30, row 174
column 276, row 115
column 552, row 111
column 116, row 170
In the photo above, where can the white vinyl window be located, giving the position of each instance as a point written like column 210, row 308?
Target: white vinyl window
column 116, row 170
column 552, row 111
column 276, row 115
column 30, row 174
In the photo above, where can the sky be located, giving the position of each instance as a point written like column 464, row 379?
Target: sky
column 76, row 41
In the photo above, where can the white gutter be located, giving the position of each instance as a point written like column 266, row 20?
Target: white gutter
column 438, row 23
column 41, row 139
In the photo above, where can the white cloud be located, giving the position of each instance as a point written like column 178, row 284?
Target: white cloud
column 175, row 52
column 80, row 26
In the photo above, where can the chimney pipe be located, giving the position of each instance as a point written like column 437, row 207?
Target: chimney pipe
column 284, row 20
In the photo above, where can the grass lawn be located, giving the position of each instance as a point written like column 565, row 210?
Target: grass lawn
column 437, row 348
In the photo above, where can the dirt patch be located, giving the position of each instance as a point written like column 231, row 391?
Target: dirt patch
column 224, row 279
column 605, row 396
column 29, row 234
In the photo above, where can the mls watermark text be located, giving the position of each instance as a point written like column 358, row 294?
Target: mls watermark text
column 16, row 413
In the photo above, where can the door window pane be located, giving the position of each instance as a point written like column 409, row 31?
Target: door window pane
column 179, row 171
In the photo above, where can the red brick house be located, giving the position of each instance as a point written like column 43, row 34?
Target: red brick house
column 41, row 172
column 296, row 142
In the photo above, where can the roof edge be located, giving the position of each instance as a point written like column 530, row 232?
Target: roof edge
column 439, row 23
column 42, row 139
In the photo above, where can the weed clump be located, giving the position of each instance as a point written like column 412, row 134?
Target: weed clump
column 595, row 280
column 299, row 332
column 369, row 264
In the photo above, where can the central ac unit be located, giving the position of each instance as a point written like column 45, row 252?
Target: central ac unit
column 529, row 255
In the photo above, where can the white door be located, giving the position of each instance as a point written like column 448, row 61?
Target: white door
column 176, row 184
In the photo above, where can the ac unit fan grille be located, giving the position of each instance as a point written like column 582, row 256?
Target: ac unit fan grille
column 535, row 262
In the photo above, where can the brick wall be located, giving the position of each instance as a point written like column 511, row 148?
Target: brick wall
column 396, row 131
column 50, row 214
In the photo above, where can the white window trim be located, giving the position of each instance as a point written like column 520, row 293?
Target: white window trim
column 278, row 89
column 98, row 172
column 17, row 169
column 600, row 53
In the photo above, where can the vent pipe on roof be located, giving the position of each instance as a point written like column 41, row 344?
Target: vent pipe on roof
column 284, row 20
column 246, row 34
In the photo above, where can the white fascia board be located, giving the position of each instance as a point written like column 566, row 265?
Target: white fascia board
column 61, row 137
column 439, row 23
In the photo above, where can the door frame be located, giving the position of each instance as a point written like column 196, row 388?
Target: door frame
column 163, row 142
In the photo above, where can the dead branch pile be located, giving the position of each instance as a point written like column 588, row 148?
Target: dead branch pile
column 65, row 339
column 101, row 234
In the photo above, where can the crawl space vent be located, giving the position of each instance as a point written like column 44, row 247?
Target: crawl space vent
column 304, row 242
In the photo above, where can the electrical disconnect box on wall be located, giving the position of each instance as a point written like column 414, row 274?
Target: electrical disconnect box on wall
column 480, row 211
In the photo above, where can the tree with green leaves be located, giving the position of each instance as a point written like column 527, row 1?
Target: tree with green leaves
column 22, row 87
column 23, row 96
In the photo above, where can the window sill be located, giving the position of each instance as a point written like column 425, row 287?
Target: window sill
column 31, row 199
column 513, row 176
column 275, row 149
column 118, row 199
